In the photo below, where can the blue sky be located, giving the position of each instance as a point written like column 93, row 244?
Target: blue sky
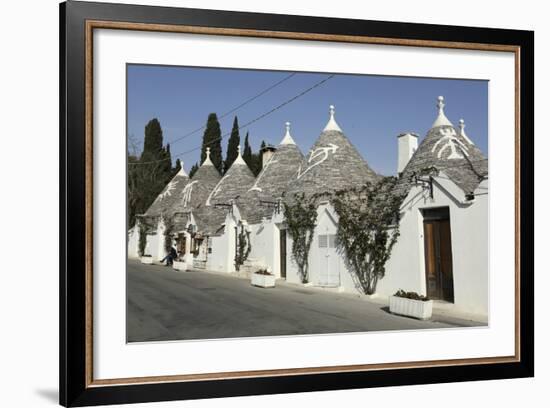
column 371, row 110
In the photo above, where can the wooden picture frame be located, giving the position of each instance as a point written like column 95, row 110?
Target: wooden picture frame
column 77, row 22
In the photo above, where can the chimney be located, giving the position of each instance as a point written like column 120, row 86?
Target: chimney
column 407, row 143
column 267, row 152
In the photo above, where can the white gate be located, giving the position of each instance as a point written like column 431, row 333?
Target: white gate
column 329, row 271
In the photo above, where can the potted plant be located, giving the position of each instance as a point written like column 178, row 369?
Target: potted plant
column 411, row 304
column 147, row 259
column 263, row 278
column 179, row 264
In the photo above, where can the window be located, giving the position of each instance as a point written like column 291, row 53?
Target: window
column 327, row 241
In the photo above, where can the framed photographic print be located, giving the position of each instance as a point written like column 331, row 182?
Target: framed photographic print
column 256, row 204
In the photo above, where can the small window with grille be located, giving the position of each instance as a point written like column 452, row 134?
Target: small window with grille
column 332, row 241
column 323, row 241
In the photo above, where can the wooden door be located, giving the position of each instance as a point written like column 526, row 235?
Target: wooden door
column 438, row 255
column 282, row 252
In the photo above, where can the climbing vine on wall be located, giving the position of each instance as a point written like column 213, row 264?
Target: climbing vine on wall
column 168, row 230
column 142, row 242
column 368, row 228
column 301, row 214
column 243, row 248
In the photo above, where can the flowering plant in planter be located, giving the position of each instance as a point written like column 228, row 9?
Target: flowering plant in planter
column 411, row 304
column 411, row 295
column 146, row 259
column 263, row 278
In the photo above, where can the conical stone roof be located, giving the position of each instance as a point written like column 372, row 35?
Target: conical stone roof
column 234, row 184
column 332, row 164
column 449, row 150
column 169, row 196
column 193, row 196
column 273, row 180
column 230, row 188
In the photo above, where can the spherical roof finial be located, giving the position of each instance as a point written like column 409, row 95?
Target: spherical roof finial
column 440, row 103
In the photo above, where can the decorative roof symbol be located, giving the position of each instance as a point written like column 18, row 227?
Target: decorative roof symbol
column 449, row 141
column 186, row 193
column 168, row 191
column 320, row 152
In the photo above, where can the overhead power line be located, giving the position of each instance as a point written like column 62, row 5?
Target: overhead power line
column 229, row 112
column 305, row 91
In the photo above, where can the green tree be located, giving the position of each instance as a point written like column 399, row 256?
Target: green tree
column 193, row 170
column 212, row 138
column 368, row 228
column 152, row 143
column 301, row 216
column 149, row 174
column 247, row 152
column 177, row 168
column 232, row 146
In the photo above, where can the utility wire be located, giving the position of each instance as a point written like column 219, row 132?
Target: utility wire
column 236, row 107
column 305, row 91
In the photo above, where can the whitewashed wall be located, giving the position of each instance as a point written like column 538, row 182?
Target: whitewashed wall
column 133, row 242
column 265, row 243
column 469, row 238
column 222, row 258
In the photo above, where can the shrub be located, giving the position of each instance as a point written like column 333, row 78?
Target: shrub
column 411, row 295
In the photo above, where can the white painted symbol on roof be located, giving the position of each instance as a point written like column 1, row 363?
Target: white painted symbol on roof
column 168, row 190
column 269, row 163
column 186, row 193
column 216, row 190
column 322, row 152
column 449, row 141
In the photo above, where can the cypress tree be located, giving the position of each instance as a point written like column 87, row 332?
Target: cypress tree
column 213, row 138
column 152, row 143
column 232, row 146
column 247, row 153
column 193, row 170
column 178, row 167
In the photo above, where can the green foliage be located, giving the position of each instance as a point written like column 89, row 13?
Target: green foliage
column 243, row 248
column 142, row 242
column 411, row 295
column 253, row 160
column 193, row 170
column 168, row 230
column 368, row 228
column 232, row 146
column 148, row 175
column 177, row 168
column 152, row 143
column 212, row 138
column 247, row 151
column 301, row 214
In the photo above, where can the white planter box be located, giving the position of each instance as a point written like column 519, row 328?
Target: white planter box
column 148, row 260
column 180, row 265
column 409, row 307
column 263, row 281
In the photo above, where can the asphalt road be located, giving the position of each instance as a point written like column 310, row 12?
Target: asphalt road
column 164, row 304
